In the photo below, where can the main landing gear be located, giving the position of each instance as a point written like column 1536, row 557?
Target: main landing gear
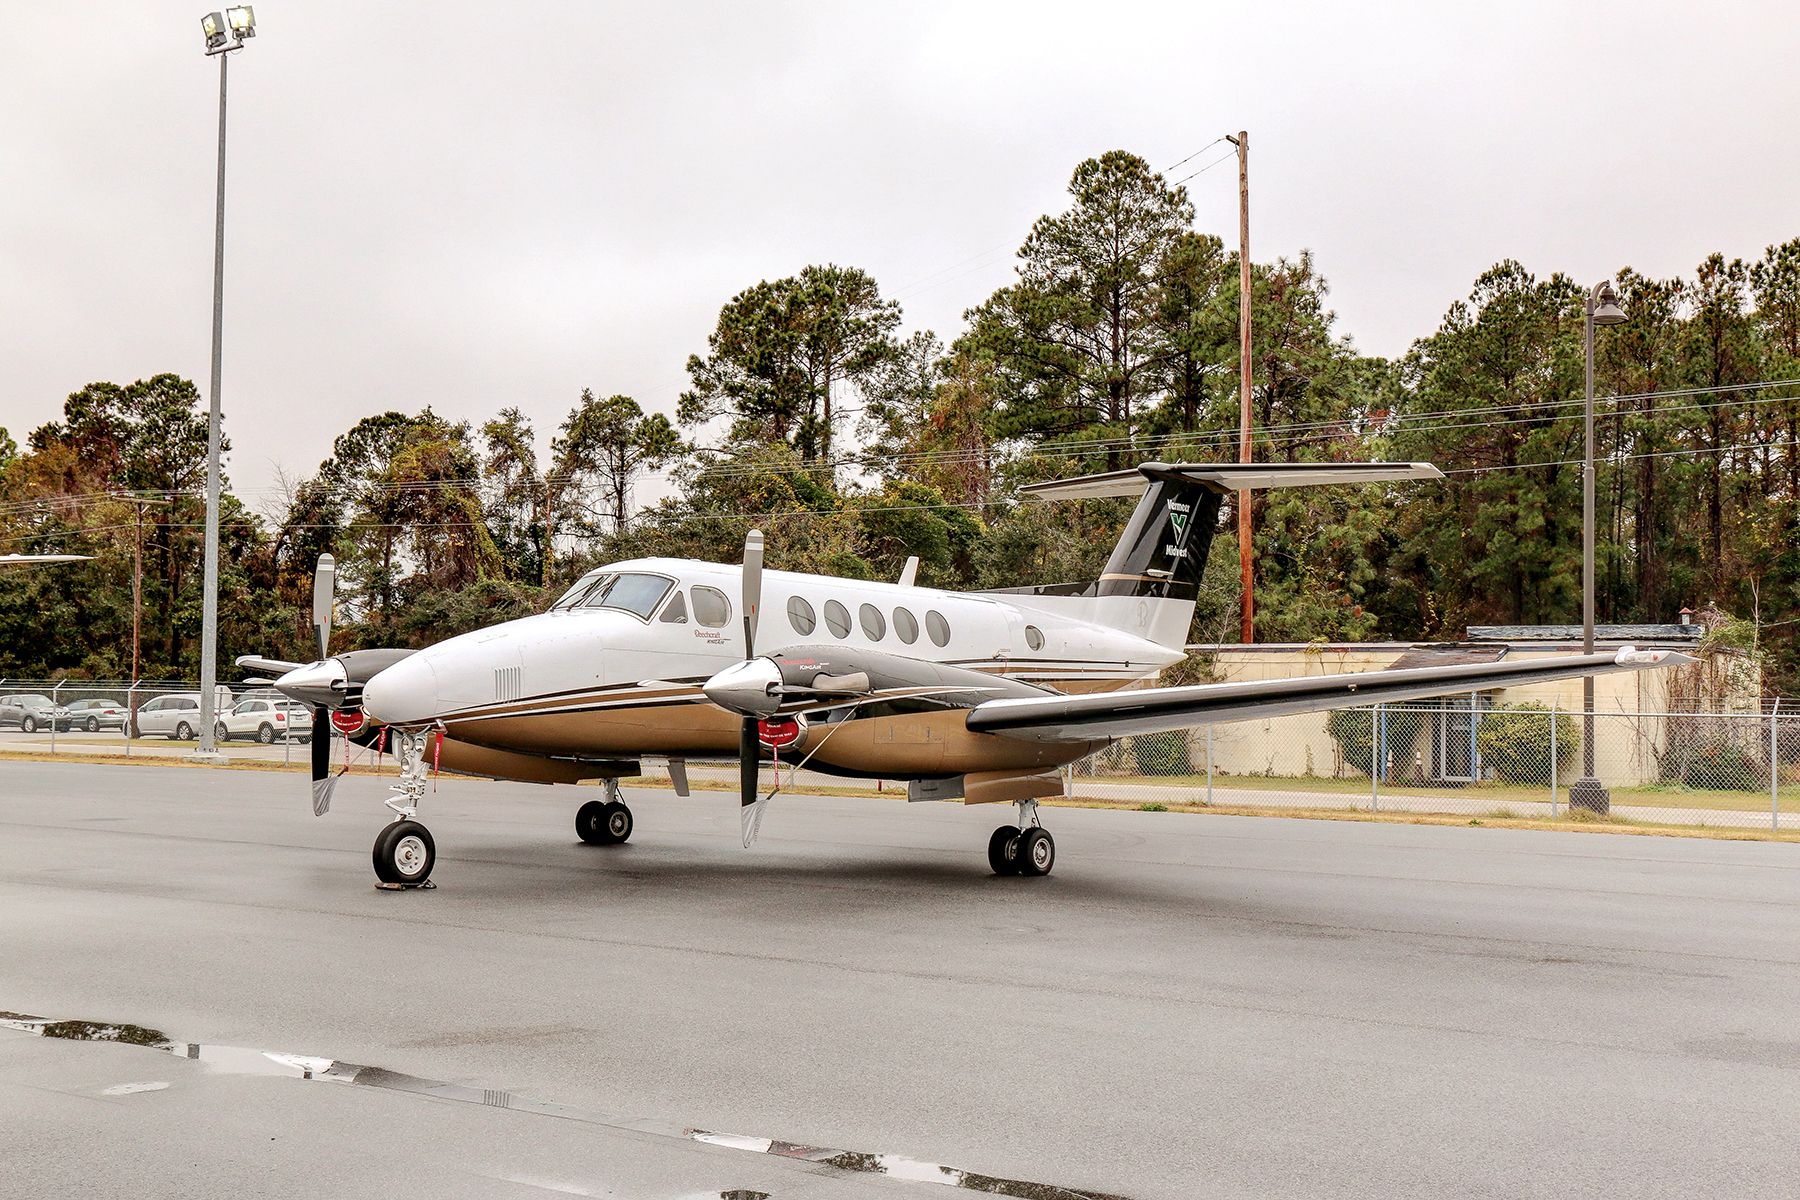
column 1023, row 849
column 404, row 850
column 605, row 823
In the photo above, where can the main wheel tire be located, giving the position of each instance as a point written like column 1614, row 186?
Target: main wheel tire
column 404, row 853
column 618, row 823
column 28, row 725
column 1036, row 853
column 265, row 734
column 590, row 823
column 1003, row 850
column 220, row 733
column 603, row 823
column 183, row 733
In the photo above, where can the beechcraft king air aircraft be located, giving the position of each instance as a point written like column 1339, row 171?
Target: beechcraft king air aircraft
column 978, row 696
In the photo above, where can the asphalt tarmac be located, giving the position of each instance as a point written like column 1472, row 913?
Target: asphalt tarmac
column 1191, row 1005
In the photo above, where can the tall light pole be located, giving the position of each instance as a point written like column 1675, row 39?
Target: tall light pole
column 1246, row 561
column 224, row 33
column 1588, row 792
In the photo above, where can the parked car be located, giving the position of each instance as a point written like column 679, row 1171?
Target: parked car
column 176, row 717
column 94, row 715
column 265, row 720
column 31, row 712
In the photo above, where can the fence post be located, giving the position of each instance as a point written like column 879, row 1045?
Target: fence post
column 1774, row 772
column 1555, row 704
column 1377, row 753
column 130, row 713
column 1209, row 730
column 55, row 699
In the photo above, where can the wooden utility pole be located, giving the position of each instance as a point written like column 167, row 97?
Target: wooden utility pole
column 1246, row 567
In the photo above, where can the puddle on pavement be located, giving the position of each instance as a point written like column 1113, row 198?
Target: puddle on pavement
column 236, row 1060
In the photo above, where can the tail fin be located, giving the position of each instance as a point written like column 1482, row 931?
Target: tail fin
column 1153, row 578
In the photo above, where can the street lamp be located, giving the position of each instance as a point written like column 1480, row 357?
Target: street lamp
column 224, row 32
column 1588, row 792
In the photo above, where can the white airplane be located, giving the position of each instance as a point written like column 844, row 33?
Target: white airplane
column 978, row 696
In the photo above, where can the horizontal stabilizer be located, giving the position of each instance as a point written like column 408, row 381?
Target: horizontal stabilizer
column 1227, row 477
column 1157, row 710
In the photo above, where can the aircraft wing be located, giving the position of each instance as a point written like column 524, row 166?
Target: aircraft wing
column 1155, row 710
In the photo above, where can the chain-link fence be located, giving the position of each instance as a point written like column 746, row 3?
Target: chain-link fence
column 163, row 717
column 1467, row 759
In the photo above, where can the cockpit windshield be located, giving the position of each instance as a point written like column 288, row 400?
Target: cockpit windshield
column 576, row 594
column 636, row 594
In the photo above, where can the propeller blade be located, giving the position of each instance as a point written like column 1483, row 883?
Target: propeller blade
column 323, row 781
column 750, row 808
column 324, row 587
column 751, row 805
column 753, row 558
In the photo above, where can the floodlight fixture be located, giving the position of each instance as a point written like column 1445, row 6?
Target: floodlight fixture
column 243, row 22
column 213, row 25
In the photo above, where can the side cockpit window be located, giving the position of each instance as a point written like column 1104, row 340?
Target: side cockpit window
column 675, row 612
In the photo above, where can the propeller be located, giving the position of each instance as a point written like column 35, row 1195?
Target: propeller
column 323, row 783
column 750, row 808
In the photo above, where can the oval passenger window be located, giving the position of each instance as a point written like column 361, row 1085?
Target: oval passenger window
column 1034, row 637
column 873, row 623
column 711, row 608
column 800, row 616
column 937, row 627
column 906, row 625
column 837, row 619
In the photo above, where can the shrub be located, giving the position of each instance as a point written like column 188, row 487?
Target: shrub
column 1514, row 739
column 1161, row 754
column 1354, row 731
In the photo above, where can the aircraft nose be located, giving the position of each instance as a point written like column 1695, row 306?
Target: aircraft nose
column 403, row 694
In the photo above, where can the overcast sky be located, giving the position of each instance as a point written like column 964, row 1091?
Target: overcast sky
column 478, row 205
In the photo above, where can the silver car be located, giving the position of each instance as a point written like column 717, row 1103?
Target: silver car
column 94, row 715
column 32, row 712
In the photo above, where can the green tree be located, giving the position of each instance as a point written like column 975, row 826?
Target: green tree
column 1078, row 349
column 782, row 350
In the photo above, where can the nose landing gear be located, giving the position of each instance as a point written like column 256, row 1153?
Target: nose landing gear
column 404, row 849
column 605, row 823
column 1022, row 849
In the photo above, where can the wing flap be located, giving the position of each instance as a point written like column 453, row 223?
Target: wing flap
column 1155, row 710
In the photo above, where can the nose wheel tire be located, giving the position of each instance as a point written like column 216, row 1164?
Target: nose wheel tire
column 606, row 824
column 404, row 854
column 1003, row 850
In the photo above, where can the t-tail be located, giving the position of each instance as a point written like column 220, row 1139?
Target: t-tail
column 1152, row 580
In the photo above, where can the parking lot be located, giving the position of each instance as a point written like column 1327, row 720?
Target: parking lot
column 1191, row 1005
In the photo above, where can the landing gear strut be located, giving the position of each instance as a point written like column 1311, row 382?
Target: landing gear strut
column 604, row 823
column 404, row 849
column 1023, row 849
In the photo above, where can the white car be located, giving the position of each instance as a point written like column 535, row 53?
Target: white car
column 175, row 717
column 266, row 721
